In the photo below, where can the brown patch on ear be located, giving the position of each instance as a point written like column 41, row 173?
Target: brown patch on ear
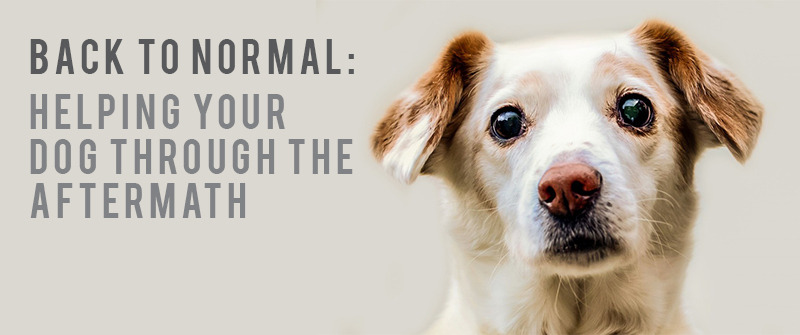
column 438, row 94
column 724, row 104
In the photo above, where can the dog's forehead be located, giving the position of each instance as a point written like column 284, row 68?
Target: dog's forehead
column 574, row 57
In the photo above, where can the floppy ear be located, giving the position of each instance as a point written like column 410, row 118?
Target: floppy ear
column 724, row 104
column 415, row 123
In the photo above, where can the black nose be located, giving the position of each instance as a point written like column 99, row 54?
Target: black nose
column 567, row 189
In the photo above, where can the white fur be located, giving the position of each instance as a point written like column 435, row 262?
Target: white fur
column 405, row 159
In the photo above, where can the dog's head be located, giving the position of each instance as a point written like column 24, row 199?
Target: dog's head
column 575, row 147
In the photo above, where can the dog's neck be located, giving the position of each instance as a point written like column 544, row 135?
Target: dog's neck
column 491, row 294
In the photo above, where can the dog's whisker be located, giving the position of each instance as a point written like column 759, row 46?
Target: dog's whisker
column 575, row 293
column 658, row 236
column 662, row 245
column 667, row 201
column 674, row 250
column 500, row 261
column 555, row 301
column 491, row 209
column 673, row 201
column 659, row 222
column 485, row 250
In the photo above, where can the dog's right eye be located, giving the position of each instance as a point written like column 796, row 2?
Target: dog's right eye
column 507, row 123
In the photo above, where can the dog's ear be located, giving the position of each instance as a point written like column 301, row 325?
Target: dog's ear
column 415, row 123
column 724, row 104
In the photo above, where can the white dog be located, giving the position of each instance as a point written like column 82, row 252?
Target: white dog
column 570, row 169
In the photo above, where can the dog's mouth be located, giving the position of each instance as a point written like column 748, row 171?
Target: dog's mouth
column 577, row 244
column 582, row 248
column 581, row 241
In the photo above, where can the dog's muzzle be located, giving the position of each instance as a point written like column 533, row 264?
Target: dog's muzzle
column 569, row 193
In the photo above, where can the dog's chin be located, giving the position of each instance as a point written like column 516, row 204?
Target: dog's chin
column 585, row 245
column 582, row 257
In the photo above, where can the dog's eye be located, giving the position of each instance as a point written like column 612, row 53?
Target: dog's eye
column 507, row 123
column 635, row 110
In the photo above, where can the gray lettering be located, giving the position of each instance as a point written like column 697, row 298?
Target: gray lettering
column 132, row 201
column 192, row 204
column 39, row 202
column 108, row 200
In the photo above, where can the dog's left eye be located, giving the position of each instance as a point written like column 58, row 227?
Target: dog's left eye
column 507, row 123
column 635, row 110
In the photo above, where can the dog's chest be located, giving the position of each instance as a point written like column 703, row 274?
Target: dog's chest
column 559, row 306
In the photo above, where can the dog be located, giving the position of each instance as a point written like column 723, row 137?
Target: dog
column 568, row 165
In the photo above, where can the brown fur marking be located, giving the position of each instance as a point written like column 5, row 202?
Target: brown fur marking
column 441, row 92
column 725, row 105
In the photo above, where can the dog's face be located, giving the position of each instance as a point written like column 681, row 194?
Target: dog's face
column 570, row 144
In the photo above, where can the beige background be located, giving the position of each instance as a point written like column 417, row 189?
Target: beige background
column 358, row 254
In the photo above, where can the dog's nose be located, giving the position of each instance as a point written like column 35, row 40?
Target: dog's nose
column 566, row 189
